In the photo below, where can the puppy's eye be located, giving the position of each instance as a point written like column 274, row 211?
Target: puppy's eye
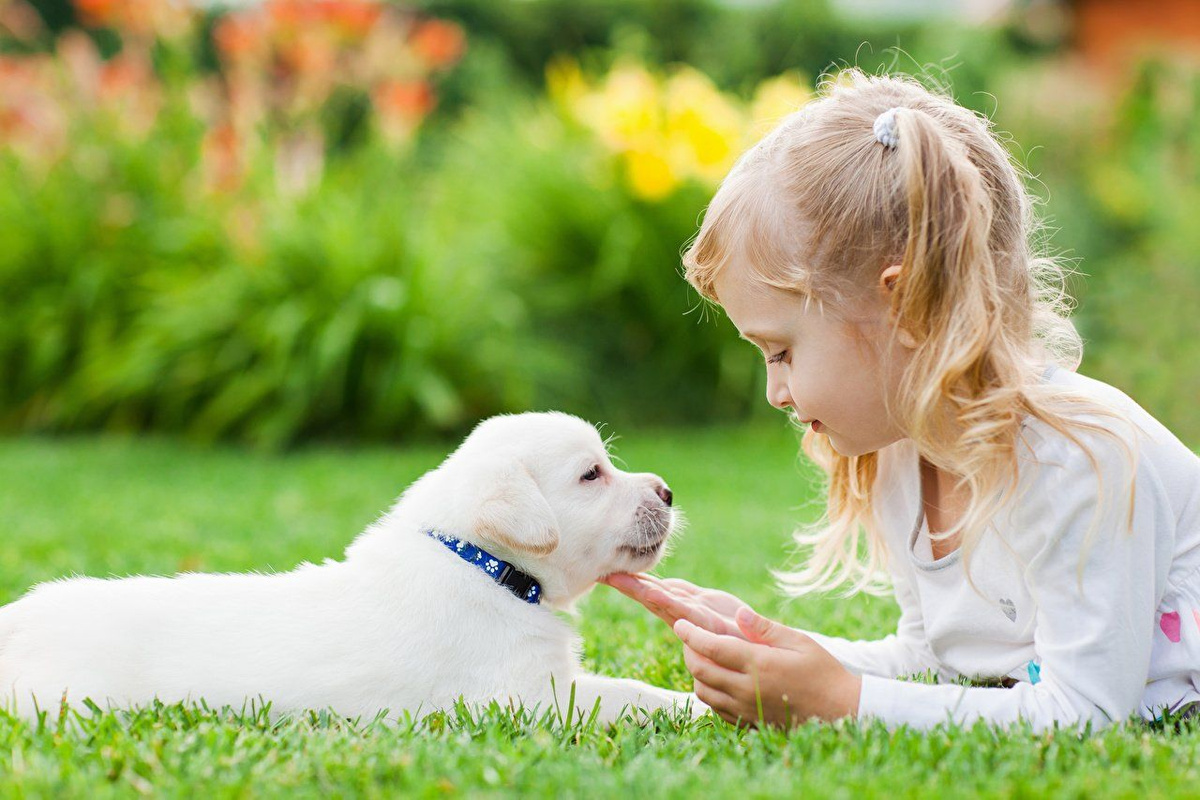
column 592, row 474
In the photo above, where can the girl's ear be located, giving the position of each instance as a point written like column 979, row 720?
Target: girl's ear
column 887, row 278
column 887, row 285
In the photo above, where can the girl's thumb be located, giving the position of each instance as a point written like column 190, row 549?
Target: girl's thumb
column 758, row 628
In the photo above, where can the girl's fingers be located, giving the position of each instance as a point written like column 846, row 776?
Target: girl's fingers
column 628, row 584
column 671, row 608
column 721, row 703
column 713, row 674
column 674, row 585
column 634, row 584
column 669, row 603
column 674, row 608
column 641, row 587
column 669, row 585
column 723, row 603
column 680, row 608
column 728, row 651
column 679, row 584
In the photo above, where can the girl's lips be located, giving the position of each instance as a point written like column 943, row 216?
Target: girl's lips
column 816, row 425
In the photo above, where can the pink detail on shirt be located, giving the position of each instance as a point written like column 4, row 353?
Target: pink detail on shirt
column 1196, row 615
column 1169, row 623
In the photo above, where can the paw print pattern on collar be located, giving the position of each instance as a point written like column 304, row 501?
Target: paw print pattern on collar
column 521, row 584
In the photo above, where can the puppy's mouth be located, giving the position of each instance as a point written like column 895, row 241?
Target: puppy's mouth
column 644, row 552
column 652, row 528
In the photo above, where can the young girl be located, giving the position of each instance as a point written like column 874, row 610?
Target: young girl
column 1041, row 531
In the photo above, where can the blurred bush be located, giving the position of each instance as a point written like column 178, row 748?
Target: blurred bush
column 205, row 253
column 583, row 203
column 221, row 254
column 346, row 219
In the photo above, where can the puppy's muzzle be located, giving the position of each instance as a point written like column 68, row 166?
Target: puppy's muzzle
column 651, row 527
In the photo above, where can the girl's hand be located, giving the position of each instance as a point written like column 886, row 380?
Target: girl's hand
column 771, row 675
column 740, row 659
column 671, row 599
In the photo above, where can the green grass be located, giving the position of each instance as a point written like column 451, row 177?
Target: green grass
column 105, row 506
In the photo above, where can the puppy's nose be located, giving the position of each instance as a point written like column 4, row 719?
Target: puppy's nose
column 664, row 492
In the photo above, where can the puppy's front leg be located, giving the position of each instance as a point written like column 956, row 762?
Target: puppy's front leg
column 615, row 694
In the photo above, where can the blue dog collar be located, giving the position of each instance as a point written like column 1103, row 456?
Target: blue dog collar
column 522, row 584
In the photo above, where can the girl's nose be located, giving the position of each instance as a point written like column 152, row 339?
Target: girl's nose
column 778, row 394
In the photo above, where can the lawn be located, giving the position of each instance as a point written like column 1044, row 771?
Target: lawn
column 111, row 506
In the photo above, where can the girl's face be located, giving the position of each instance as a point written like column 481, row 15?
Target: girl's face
column 836, row 372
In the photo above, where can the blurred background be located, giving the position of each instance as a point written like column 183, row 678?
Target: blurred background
column 303, row 220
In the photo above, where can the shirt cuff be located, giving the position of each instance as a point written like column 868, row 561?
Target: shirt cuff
column 896, row 702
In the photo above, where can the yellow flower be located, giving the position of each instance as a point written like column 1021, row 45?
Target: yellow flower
column 650, row 176
column 704, row 129
column 626, row 111
column 673, row 130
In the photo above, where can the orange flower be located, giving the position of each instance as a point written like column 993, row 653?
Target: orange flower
column 139, row 18
column 122, row 74
column 400, row 106
column 409, row 100
column 293, row 13
column 221, row 157
column 33, row 123
column 308, row 52
column 353, row 19
column 237, row 35
column 99, row 13
column 438, row 43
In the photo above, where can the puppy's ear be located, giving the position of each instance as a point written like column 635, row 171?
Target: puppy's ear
column 512, row 512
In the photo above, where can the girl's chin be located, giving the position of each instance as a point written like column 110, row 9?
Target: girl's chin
column 846, row 449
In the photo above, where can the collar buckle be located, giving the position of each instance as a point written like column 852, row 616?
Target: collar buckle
column 518, row 582
column 521, row 584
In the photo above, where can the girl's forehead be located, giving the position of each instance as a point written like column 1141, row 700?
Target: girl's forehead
column 740, row 284
column 758, row 309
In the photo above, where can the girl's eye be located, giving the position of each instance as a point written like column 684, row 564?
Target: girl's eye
column 778, row 357
column 592, row 474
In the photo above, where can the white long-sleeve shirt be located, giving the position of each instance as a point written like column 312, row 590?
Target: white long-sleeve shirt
column 1130, row 641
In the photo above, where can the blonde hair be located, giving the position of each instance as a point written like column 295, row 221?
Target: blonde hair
column 819, row 206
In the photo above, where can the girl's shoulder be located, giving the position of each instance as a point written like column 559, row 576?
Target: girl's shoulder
column 1126, row 428
column 1126, row 461
column 1057, row 474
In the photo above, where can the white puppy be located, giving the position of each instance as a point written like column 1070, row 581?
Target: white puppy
column 404, row 622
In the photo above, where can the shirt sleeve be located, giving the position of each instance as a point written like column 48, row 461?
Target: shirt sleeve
column 904, row 652
column 1093, row 642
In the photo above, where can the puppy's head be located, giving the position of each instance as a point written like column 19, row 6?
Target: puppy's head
column 540, row 490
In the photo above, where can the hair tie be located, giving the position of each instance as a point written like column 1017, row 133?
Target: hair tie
column 885, row 128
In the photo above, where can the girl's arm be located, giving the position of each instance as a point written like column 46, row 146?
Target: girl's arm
column 1094, row 645
column 902, row 653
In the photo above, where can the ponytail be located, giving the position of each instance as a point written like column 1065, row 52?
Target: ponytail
column 946, row 297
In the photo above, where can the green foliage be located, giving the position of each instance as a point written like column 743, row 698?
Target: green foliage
column 619, row 334
column 499, row 261
column 139, row 307
column 498, row 266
